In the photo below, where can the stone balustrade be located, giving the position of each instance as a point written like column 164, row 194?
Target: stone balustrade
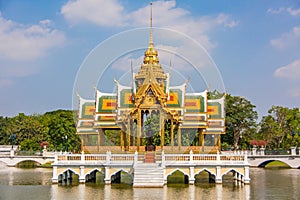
column 166, row 159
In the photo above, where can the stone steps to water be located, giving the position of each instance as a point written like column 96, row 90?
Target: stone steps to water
column 148, row 175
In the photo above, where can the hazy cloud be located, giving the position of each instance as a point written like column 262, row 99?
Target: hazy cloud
column 165, row 14
column 294, row 92
column 20, row 42
column 100, row 12
column 276, row 11
column 291, row 11
column 288, row 39
column 290, row 71
column 21, row 45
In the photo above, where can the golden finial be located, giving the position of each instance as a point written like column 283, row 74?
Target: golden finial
column 151, row 37
column 150, row 53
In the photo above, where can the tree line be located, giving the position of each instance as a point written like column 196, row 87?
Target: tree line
column 279, row 129
column 55, row 129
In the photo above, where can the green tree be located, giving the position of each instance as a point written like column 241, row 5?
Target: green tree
column 241, row 120
column 62, row 131
column 152, row 125
column 27, row 128
column 280, row 127
column 4, row 133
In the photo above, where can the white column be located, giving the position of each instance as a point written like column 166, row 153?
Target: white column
column 82, row 175
column 163, row 159
column 293, row 151
column 218, row 175
column 191, row 157
column 246, row 158
column 54, row 176
column 240, row 178
column 218, row 157
column 236, row 176
column 135, row 158
column 247, row 176
column 12, row 152
column 82, row 160
column 55, row 158
column 163, row 165
column 192, row 178
column 107, row 176
column 108, row 154
column 165, row 176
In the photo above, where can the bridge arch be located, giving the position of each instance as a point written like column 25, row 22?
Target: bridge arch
column 205, row 170
column 118, row 177
column 180, row 177
column 264, row 163
column 177, row 169
column 68, row 169
column 94, row 170
column 200, row 177
column 66, row 176
column 119, row 170
column 232, row 170
column 29, row 160
column 95, row 175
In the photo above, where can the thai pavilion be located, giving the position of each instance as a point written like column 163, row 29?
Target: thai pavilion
column 121, row 121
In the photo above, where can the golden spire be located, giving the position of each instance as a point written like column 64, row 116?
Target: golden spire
column 151, row 36
column 151, row 54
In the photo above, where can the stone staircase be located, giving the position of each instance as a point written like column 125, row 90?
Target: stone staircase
column 148, row 175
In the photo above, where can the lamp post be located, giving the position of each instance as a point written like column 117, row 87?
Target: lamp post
column 12, row 139
column 66, row 137
column 65, row 143
column 293, row 148
column 293, row 135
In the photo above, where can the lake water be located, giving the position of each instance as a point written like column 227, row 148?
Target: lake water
column 17, row 183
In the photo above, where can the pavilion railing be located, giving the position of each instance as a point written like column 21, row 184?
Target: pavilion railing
column 163, row 159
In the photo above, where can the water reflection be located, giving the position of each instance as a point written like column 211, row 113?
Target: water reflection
column 36, row 184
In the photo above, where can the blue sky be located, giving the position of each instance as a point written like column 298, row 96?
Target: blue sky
column 255, row 45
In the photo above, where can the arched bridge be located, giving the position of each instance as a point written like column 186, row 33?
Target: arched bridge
column 261, row 160
column 12, row 161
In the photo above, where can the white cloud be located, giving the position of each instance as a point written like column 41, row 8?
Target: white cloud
column 165, row 14
column 291, row 11
column 100, row 12
column 276, row 11
column 125, row 62
column 19, row 42
column 288, row 39
column 290, row 71
column 21, row 45
column 294, row 92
